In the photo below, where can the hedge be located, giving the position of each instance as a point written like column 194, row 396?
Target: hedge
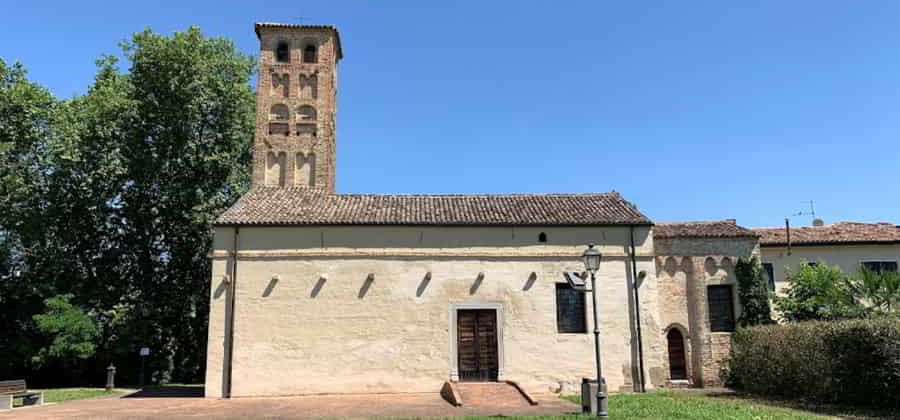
column 855, row 362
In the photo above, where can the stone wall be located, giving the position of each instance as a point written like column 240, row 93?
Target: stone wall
column 685, row 268
column 368, row 309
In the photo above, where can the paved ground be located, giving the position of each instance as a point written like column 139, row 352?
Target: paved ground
column 368, row 405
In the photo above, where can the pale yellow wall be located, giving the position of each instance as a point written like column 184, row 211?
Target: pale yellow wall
column 847, row 257
column 395, row 337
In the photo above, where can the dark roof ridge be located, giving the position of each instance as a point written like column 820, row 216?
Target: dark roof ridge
column 709, row 222
column 449, row 195
column 727, row 228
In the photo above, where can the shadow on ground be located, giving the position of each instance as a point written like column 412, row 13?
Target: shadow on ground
column 172, row 391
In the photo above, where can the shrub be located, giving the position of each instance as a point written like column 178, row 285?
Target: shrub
column 854, row 361
column 818, row 292
column 752, row 293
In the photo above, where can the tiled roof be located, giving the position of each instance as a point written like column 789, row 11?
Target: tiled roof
column 706, row 229
column 836, row 233
column 304, row 206
column 337, row 35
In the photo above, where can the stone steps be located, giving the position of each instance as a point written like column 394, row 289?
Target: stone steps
column 490, row 394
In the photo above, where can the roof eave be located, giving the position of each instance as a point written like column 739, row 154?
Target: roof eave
column 827, row 243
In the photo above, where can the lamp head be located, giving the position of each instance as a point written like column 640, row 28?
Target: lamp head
column 591, row 259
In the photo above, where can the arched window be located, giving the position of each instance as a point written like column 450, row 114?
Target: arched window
column 278, row 120
column 283, row 52
column 306, row 113
column 677, row 360
column 278, row 112
column 542, row 238
column 309, row 54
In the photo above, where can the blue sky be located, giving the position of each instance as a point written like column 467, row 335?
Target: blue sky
column 692, row 110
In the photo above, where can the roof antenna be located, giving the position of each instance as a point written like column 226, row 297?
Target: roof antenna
column 811, row 213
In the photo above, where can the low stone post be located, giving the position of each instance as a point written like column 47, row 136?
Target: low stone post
column 110, row 377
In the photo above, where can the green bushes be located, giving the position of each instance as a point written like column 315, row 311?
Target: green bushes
column 823, row 292
column 855, row 361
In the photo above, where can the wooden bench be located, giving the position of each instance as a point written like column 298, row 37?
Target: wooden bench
column 10, row 390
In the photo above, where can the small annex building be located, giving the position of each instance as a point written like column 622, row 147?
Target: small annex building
column 318, row 292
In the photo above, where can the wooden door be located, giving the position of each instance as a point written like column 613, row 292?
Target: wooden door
column 677, row 363
column 476, row 336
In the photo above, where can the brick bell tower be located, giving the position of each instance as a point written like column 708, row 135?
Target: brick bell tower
column 295, row 105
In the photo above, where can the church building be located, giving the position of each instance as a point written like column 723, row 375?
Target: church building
column 315, row 292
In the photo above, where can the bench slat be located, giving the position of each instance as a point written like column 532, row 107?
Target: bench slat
column 12, row 387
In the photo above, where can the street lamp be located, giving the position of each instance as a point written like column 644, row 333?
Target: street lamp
column 592, row 263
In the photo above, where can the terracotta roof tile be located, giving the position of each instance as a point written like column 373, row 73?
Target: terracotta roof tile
column 304, row 206
column 706, row 229
column 836, row 233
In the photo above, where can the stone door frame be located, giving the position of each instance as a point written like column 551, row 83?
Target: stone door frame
column 453, row 363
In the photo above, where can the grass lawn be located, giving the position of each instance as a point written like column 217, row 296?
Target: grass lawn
column 55, row 395
column 691, row 405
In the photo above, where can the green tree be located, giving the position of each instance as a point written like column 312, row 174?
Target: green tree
column 878, row 292
column 186, row 153
column 818, row 292
column 752, row 293
column 26, row 131
column 110, row 196
column 69, row 331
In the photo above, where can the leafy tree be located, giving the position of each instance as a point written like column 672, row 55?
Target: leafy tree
column 186, row 151
column 878, row 292
column 26, row 115
column 818, row 292
column 110, row 196
column 69, row 330
column 752, row 293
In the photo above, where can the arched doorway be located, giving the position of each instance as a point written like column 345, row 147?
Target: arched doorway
column 677, row 364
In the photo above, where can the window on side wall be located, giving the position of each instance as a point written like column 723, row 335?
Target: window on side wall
column 770, row 274
column 880, row 266
column 721, row 308
column 570, row 310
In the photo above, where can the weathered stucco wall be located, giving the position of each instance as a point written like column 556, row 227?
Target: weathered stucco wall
column 685, row 267
column 307, row 320
column 847, row 257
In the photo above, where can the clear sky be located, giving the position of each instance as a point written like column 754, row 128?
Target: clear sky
column 692, row 110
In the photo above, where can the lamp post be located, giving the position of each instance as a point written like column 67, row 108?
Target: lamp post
column 592, row 263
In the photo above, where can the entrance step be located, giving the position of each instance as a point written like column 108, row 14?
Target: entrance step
column 492, row 394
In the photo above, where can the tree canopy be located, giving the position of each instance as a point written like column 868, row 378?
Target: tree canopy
column 107, row 201
column 822, row 292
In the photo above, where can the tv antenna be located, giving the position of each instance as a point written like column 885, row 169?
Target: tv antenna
column 811, row 212
column 787, row 221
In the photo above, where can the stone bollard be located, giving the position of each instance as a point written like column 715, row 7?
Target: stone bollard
column 110, row 377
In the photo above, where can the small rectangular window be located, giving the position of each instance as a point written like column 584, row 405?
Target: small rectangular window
column 770, row 274
column 721, row 308
column 880, row 266
column 570, row 310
